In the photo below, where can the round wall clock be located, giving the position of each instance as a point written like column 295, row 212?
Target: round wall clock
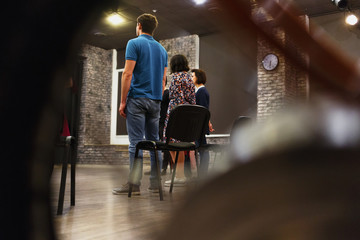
column 270, row 61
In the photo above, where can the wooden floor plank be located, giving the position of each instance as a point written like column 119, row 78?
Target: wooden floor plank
column 98, row 214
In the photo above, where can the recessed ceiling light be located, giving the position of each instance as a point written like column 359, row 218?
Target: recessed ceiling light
column 198, row 2
column 115, row 19
column 351, row 19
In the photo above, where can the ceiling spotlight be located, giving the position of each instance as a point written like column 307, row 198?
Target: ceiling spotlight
column 115, row 19
column 351, row 19
column 198, row 2
column 341, row 4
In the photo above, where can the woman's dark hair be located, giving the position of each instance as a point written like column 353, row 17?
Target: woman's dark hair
column 200, row 75
column 148, row 22
column 179, row 63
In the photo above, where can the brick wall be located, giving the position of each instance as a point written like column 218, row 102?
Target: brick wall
column 302, row 77
column 287, row 83
column 271, row 84
column 94, row 130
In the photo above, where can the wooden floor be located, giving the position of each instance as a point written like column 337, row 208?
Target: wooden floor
column 98, row 214
column 298, row 194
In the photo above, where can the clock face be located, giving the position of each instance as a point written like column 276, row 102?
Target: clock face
column 270, row 61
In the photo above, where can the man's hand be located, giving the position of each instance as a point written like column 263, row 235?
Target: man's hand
column 122, row 110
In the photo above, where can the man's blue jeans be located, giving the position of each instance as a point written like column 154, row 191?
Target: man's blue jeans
column 142, row 120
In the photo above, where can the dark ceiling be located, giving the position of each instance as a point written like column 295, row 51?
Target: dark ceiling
column 180, row 18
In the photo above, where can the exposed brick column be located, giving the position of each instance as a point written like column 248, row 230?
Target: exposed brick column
column 94, row 130
column 285, row 84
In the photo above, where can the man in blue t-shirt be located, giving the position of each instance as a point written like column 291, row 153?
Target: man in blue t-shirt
column 142, row 84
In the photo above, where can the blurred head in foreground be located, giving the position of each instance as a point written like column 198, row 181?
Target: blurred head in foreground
column 297, row 178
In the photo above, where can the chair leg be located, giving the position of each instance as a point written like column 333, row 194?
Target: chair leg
column 73, row 165
column 130, row 190
column 133, row 170
column 158, row 173
column 174, row 171
column 197, row 162
column 63, row 181
column 171, row 163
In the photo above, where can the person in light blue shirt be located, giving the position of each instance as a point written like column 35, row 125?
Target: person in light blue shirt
column 142, row 85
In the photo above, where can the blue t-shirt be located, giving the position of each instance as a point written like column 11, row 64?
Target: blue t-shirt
column 151, row 59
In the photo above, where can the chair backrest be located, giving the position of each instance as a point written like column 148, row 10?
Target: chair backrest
column 238, row 123
column 187, row 123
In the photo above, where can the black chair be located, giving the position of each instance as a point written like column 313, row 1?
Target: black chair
column 187, row 123
column 66, row 142
column 221, row 148
column 238, row 123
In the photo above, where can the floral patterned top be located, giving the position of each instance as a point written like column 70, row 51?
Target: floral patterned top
column 181, row 91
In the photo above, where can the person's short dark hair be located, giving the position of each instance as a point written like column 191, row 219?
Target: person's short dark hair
column 179, row 63
column 200, row 75
column 148, row 22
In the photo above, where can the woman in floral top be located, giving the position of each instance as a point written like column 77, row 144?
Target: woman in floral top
column 181, row 91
